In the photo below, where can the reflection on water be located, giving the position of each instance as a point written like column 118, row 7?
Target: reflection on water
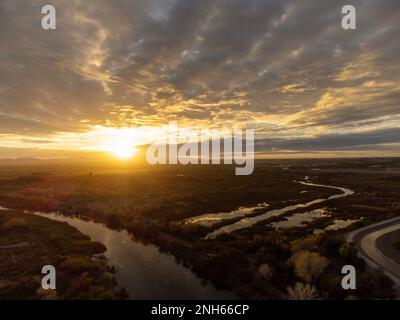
column 210, row 219
column 249, row 222
column 337, row 225
column 143, row 269
column 299, row 219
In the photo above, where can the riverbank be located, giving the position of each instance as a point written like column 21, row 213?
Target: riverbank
column 29, row 242
column 142, row 269
column 256, row 262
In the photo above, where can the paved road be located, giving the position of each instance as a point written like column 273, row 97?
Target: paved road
column 366, row 241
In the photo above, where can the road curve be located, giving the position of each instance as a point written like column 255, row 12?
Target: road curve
column 366, row 241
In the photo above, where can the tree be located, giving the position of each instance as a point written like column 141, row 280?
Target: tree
column 265, row 270
column 309, row 265
column 302, row 291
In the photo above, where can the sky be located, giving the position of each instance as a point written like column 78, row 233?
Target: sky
column 118, row 71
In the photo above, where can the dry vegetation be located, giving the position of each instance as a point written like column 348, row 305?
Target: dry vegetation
column 29, row 242
column 254, row 263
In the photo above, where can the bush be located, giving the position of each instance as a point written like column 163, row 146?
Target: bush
column 310, row 243
column 302, row 291
column 265, row 270
column 78, row 264
column 396, row 207
column 309, row 265
column 15, row 223
column 113, row 221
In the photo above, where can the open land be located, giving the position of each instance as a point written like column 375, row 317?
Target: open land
column 260, row 262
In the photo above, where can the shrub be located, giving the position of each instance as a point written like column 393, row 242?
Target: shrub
column 265, row 270
column 309, row 265
column 78, row 264
column 310, row 243
column 15, row 223
column 113, row 221
column 302, row 291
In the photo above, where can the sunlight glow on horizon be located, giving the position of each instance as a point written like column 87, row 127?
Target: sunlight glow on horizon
column 119, row 142
column 124, row 143
column 123, row 153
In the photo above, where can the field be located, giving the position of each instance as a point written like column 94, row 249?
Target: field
column 260, row 262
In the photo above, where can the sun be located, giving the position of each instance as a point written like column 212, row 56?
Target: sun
column 123, row 153
column 120, row 143
column 122, row 149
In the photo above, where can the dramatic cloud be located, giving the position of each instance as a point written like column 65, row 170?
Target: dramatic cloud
column 286, row 68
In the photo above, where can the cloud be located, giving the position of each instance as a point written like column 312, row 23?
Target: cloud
column 284, row 67
column 10, row 124
column 371, row 143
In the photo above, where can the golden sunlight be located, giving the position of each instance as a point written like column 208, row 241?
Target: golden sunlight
column 119, row 142
column 123, row 151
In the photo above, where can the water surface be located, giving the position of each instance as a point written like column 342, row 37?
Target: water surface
column 300, row 219
column 338, row 224
column 143, row 269
column 210, row 219
column 251, row 221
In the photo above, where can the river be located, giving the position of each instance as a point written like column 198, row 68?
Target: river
column 148, row 273
column 251, row 221
column 142, row 269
